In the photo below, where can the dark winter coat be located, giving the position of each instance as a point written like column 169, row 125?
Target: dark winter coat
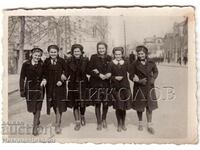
column 56, row 95
column 121, row 89
column 78, row 81
column 30, row 79
column 101, row 64
column 144, row 95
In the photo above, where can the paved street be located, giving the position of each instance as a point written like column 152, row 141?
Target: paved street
column 170, row 120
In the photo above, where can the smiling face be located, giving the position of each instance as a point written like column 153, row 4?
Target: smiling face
column 118, row 55
column 53, row 53
column 101, row 49
column 141, row 55
column 77, row 53
column 36, row 56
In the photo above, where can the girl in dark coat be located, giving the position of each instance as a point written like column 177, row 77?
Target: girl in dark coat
column 144, row 72
column 30, row 80
column 120, row 87
column 54, row 67
column 100, row 79
column 77, row 84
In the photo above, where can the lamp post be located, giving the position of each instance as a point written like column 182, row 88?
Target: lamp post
column 124, row 31
column 125, row 48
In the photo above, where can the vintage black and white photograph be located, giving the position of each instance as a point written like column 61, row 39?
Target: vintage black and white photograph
column 99, row 75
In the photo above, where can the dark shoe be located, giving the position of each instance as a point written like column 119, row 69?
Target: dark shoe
column 119, row 129
column 35, row 131
column 77, row 127
column 124, row 128
column 104, row 124
column 83, row 122
column 57, row 129
column 99, row 127
column 150, row 130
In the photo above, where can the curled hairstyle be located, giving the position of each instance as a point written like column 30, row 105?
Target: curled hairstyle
column 36, row 50
column 102, row 43
column 74, row 46
column 118, row 49
column 142, row 48
column 53, row 47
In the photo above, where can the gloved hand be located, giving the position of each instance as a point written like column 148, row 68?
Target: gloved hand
column 59, row 83
column 136, row 78
column 151, row 81
column 103, row 77
column 43, row 83
column 63, row 77
column 143, row 81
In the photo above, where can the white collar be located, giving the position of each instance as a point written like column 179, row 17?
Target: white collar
column 116, row 62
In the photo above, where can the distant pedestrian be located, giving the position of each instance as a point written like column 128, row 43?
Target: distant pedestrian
column 185, row 60
column 179, row 60
column 132, row 58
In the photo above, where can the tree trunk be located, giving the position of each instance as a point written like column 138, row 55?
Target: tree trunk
column 21, row 42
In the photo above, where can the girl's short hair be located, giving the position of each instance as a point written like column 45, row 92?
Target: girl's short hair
column 53, row 47
column 142, row 48
column 74, row 46
column 102, row 43
column 118, row 49
column 36, row 50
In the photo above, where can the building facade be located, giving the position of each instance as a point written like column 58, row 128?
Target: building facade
column 176, row 43
column 155, row 46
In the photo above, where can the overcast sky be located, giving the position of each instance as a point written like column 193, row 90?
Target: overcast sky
column 138, row 28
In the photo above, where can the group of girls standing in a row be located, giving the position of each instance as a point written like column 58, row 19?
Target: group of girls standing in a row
column 67, row 85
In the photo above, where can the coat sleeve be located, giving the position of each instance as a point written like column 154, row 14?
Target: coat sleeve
column 45, row 70
column 22, row 78
column 131, row 71
column 91, row 66
column 111, row 71
column 65, row 68
column 87, row 66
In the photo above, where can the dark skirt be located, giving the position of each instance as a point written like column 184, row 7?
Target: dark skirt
column 142, row 99
column 77, row 97
column 57, row 99
column 122, row 99
column 34, row 96
column 140, row 105
column 33, row 106
column 100, row 96
column 60, row 104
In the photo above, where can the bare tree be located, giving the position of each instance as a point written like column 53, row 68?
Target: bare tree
column 21, row 41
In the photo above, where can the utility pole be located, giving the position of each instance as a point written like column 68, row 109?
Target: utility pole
column 125, row 48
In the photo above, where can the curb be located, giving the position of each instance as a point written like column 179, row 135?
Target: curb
column 172, row 65
column 13, row 91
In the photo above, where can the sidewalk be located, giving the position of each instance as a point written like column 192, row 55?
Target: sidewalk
column 172, row 64
column 13, row 83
